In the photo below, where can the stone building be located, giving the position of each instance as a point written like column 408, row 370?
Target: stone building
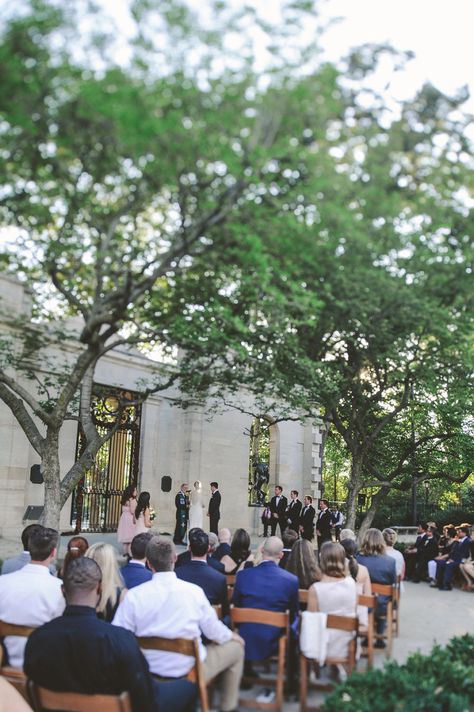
column 158, row 441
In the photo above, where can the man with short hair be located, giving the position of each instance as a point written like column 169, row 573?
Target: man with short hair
column 91, row 656
column 15, row 563
column 411, row 552
column 289, row 538
column 185, row 556
column 198, row 571
column 170, row 608
column 135, row 572
column 182, row 507
column 271, row 588
column 337, row 520
column 223, row 549
column 293, row 511
column 307, row 519
column 323, row 523
column 214, row 510
column 278, row 505
column 31, row 596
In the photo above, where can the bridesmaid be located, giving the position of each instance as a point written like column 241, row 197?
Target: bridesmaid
column 142, row 517
column 126, row 525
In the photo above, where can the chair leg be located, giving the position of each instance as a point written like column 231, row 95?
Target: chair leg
column 303, row 682
column 280, row 673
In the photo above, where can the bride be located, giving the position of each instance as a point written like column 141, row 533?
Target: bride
column 195, row 510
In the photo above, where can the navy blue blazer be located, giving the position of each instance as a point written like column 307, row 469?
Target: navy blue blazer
column 211, row 581
column 135, row 574
column 185, row 558
column 460, row 550
column 269, row 587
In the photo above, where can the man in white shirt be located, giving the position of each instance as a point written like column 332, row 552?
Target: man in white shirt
column 31, row 596
column 171, row 608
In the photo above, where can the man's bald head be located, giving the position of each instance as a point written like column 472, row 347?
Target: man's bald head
column 273, row 548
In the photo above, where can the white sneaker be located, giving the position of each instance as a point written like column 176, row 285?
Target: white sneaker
column 266, row 696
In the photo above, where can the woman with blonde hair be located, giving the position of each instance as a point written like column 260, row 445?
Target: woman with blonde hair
column 335, row 593
column 303, row 564
column 113, row 588
column 382, row 569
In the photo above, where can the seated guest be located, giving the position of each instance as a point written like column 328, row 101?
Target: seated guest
column 93, row 657
column 271, row 588
column 31, row 596
column 113, row 589
column 411, row 552
column 446, row 542
column 347, row 534
column 76, row 547
column 446, row 569
column 359, row 572
column 240, row 555
column 135, row 572
column 427, row 551
column 213, row 543
column 382, row 569
column 171, row 608
column 390, row 537
column 335, row 593
column 199, row 572
column 466, row 567
column 223, row 548
column 289, row 537
column 185, row 556
column 303, row 564
column 17, row 562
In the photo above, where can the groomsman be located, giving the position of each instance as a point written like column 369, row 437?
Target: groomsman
column 278, row 505
column 306, row 525
column 214, row 512
column 293, row 511
column 323, row 523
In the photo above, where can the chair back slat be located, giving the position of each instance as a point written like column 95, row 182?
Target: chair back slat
column 23, row 631
column 346, row 623
column 303, row 595
column 230, row 578
column 383, row 589
column 49, row 700
column 185, row 646
column 258, row 615
column 364, row 600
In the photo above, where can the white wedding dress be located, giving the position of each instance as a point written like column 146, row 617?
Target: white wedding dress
column 195, row 510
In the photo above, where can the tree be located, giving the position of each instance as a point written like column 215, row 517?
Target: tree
column 136, row 199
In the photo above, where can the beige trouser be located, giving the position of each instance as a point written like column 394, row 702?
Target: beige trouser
column 225, row 662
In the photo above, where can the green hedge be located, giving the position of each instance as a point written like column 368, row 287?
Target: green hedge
column 440, row 682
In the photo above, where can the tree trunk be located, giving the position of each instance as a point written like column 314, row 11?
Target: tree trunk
column 353, row 493
column 52, row 481
column 372, row 511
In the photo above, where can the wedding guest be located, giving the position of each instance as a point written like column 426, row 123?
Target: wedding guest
column 113, row 589
column 126, row 525
column 303, row 564
column 240, row 554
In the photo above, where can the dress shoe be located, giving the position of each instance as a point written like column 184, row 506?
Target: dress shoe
column 445, row 588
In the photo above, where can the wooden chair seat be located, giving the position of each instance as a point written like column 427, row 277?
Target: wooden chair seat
column 45, row 700
column 278, row 620
column 348, row 624
column 184, row 646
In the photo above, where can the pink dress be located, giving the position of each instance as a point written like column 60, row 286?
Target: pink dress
column 126, row 526
column 140, row 526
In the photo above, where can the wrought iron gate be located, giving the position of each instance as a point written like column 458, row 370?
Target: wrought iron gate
column 96, row 505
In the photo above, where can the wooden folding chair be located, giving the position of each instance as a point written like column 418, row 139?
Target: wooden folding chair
column 15, row 676
column 349, row 624
column 303, row 596
column 396, row 607
column 44, row 700
column 278, row 620
column 185, row 646
column 367, row 633
column 380, row 589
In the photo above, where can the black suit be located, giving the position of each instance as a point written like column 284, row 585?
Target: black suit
column 307, row 522
column 214, row 511
column 185, row 558
column 323, row 526
column 212, row 583
column 293, row 513
column 95, row 657
column 280, row 510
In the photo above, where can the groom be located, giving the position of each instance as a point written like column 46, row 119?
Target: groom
column 214, row 507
